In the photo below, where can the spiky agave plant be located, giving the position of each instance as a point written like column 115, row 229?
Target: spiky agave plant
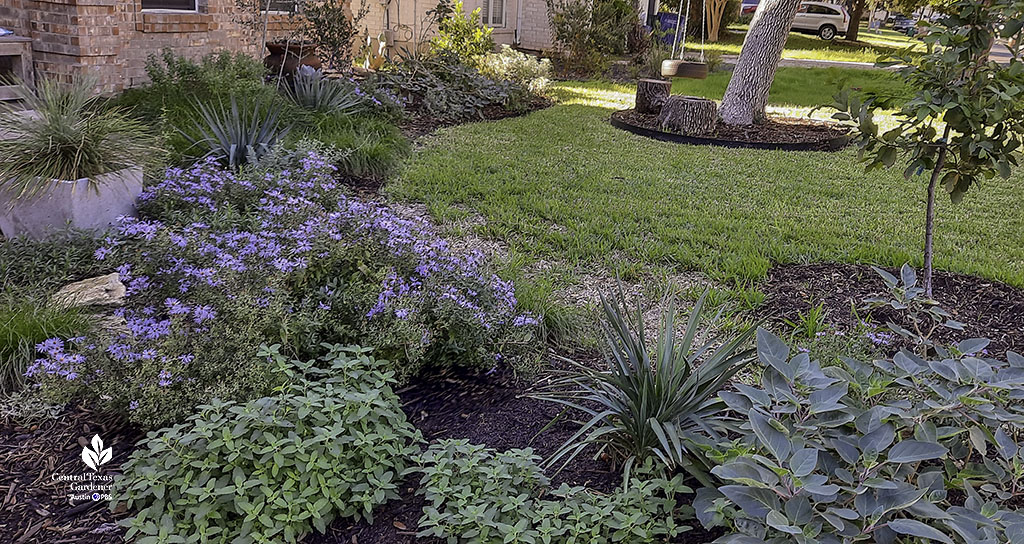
column 236, row 135
column 313, row 91
column 641, row 406
column 63, row 131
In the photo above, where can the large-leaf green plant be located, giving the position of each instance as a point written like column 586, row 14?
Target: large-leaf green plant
column 965, row 122
column 647, row 404
column 902, row 450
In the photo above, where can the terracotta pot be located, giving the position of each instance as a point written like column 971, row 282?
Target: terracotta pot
column 85, row 204
column 684, row 68
column 292, row 55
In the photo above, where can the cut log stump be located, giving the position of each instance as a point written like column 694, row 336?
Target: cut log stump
column 689, row 115
column 651, row 95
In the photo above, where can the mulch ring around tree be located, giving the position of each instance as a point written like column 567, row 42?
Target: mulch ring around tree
column 784, row 133
column 420, row 123
column 988, row 309
column 35, row 502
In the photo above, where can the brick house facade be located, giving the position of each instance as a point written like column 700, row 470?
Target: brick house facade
column 111, row 39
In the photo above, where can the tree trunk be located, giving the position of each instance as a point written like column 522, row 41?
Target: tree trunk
column 747, row 94
column 651, row 95
column 853, row 31
column 929, row 221
column 689, row 115
column 713, row 11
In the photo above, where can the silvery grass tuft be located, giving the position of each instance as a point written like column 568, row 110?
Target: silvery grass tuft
column 639, row 406
column 68, row 135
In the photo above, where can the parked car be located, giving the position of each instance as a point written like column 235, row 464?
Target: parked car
column 903, row 24
column 821, row 18
column 748, row 7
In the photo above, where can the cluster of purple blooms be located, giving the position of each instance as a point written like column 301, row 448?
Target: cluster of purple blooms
column 287, row 221
column 56, row 361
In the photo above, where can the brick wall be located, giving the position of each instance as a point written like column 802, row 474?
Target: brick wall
column 111, row 39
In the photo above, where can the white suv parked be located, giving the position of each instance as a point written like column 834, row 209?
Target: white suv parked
column 821, row 18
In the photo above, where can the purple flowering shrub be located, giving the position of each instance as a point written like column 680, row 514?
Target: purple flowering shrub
column 222, row 263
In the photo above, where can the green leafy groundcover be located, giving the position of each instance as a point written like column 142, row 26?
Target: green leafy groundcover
column 482, row 496
column 332, row 444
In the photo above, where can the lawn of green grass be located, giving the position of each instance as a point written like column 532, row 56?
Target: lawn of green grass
column 868, row 48
column 793, row 86
column 561, row 185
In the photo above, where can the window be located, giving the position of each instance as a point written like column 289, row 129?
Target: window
column 821, row 10
column 493, row 12
column 281, row 6
column 177, row 5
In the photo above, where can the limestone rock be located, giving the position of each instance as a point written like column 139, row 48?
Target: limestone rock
column 99, row 291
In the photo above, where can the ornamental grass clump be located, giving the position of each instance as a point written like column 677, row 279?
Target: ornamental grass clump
column 333, row 444
column 905, row 449
column 224, row 262
column 65, row 133
column 647, row 405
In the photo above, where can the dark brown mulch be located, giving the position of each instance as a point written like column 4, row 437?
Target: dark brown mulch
column 420, row 123
column 36, row 508
column 484, row 410
column 778, row 130
column 988, row 309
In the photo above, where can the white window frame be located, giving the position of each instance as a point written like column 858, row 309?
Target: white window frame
column 487, row 13
column 195, row 9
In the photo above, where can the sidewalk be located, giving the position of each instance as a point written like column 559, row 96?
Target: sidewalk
column 809, row 63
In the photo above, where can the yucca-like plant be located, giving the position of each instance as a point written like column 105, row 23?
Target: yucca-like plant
column 640, row 407
column 66, row 133
column 238, row 135
column 311, row 90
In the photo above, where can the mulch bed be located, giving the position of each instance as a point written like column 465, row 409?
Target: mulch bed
column 810, row 134
column 988, row 309
column 36, row 508
column 420, row 123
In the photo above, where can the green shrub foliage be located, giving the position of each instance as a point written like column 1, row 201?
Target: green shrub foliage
column 481, row 496
column 527, row 71
column 332, row 444
column 461, row 34
column 444, row 86
column 902, row 450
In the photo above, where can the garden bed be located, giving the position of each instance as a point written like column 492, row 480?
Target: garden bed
column 420, row 123
column 988, row 309
column 781, row 133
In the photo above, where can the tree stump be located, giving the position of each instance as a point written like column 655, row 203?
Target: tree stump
column 690, row 115
column 651, row 95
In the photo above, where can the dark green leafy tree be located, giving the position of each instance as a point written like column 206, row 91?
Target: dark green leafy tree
column 965, row 123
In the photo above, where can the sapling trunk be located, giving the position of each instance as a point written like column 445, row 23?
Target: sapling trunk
column 929, row 222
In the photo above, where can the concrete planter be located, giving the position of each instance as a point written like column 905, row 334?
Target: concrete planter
column 74, row 203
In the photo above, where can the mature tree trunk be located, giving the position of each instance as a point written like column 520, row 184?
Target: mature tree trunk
column 651, row 95
column 747, row 94
column 689, row 115
column 857, row 11
column 929, row 221
column 713, row 11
